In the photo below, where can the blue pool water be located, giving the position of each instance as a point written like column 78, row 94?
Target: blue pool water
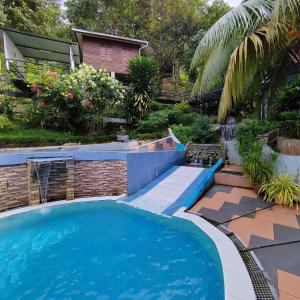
column 104, row 250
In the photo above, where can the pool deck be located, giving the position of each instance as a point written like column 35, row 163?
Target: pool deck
column 259, row 224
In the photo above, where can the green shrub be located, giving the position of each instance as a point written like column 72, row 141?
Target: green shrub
column 77, row 100
column 202, row 130
column 155, row 122
column 289, row 124
column 183, row 133
column 182, row 106
column 282, row 189
column 5, row 123
column 199, row 132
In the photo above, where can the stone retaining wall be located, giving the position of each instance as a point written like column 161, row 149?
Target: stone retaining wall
column 205, row 152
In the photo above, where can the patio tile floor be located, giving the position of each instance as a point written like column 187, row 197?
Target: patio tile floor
column 264, row 225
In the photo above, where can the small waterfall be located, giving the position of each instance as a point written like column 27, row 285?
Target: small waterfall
column 227, row 130
column 43, row 169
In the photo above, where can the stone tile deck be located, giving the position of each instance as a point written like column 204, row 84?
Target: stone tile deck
column 264, row 225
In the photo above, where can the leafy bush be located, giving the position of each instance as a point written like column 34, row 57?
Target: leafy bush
column 75, row 101
column 157, row 121
column 5, row 123
column 289, row 124
column 202, row 130
column 183, row 133
column 248, row 131
column 144, row 81
column 199, row 132
column 182, row 106
column 257, row 165
column 282, row 189
column 7, row 105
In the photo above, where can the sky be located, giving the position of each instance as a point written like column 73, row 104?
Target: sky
column 233, row 2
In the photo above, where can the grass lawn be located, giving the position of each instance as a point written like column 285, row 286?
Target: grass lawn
column 42, row 137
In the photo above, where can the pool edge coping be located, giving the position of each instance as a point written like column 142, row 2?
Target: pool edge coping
column 28, row 208
column 237, row 281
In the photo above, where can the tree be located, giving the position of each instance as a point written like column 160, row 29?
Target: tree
column 166, row 24
column 120, row 17
column 144, row 82
column 248, row 48
column 37, row 16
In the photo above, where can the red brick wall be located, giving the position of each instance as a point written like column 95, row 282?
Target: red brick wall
column 111, row 55
column 100, row 178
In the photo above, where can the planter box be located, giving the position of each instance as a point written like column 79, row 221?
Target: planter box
column 288, row 146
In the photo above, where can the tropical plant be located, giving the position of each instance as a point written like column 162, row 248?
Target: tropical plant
column 283, row 189
column 75, row 101
column 144, row 80
column 247, row 50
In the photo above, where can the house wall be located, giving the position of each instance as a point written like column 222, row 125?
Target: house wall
column 111, row 55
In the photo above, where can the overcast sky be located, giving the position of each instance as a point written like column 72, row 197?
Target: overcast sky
column 233, row 2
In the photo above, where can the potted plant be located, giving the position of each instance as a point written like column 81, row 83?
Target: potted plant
column 283, row 189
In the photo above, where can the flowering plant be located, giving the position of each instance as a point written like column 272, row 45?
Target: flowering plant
column 77, row 100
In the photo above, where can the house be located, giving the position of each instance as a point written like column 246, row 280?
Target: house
column 108, row 51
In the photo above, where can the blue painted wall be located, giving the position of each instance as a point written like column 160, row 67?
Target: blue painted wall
column 144, row 167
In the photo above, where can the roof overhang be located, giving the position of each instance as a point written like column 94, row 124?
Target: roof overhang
column 79, row 33
column 43, row 48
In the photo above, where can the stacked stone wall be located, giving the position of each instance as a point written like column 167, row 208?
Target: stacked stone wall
column 100, row 178
column 19, row 185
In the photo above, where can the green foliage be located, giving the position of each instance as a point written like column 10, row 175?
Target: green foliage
column 167, row 25
column 75, row 101
column 289, row 124
column 37, row 16
column 249, row 46
column 5, row 123
column 202, row 130
column 282, row 189
column 199, row 131
column 248, row 131
column 182, row 107
column 258, row 166
column 144, row 79
column 161, row 120
column 183, row 133
column 42, row 137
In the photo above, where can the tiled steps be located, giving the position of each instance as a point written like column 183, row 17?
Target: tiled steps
column 232, row 176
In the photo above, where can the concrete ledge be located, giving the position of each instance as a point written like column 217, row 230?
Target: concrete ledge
column 233, row 180
column 237, row 282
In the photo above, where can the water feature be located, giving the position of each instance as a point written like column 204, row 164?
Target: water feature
column 43, row 169
column 227, row 130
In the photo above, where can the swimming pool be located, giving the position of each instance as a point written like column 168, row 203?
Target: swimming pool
column 105, row 250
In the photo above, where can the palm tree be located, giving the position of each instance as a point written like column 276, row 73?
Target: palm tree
column 246, row 50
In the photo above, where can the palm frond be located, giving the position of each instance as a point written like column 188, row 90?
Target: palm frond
column 211, row 74
column 244, row 20
column 250, row 56
column 285, row 9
